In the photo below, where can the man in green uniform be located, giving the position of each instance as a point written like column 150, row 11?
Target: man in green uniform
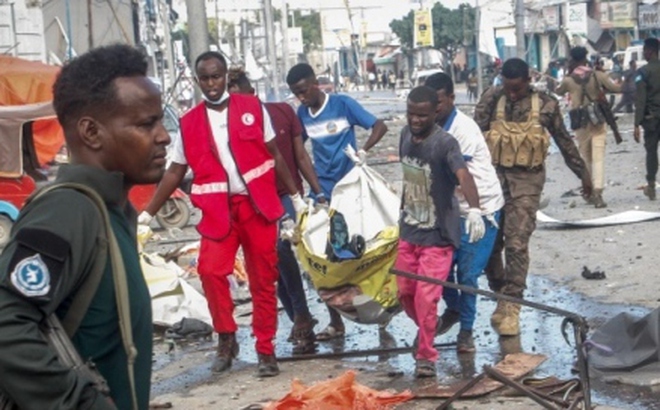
column 516, row 120
column 647, row 111
column 112, row 119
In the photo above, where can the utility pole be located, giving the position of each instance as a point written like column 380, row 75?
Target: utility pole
column 284, row 23
column 477, row 38
column 519, row 16
column 169, row 54
column 198, row 32
column 272, row 55
column 90, row 29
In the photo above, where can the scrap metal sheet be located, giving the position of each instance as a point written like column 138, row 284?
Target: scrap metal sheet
column 620, row 218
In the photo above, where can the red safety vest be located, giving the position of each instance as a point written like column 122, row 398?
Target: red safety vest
column 210, row 188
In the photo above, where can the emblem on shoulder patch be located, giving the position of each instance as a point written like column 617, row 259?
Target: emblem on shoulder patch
column 31, row 277
column 247, row 118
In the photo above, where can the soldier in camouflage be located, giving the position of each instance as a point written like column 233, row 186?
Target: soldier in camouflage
column 519, row 158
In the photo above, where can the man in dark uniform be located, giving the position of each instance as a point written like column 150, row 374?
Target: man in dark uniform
column 112, row 119
column 647, row 111
column 521, row 170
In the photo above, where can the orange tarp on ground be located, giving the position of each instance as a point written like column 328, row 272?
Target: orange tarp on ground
column 24, row 82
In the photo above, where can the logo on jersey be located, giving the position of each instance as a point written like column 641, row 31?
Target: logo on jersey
column 31, row 277
column 247, row 118
column 331, row 127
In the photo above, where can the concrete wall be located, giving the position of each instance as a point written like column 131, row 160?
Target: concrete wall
column 21, row 31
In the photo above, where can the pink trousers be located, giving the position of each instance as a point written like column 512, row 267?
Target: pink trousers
column 420, row 299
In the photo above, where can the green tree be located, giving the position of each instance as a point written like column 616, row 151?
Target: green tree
column 451, row 28
column 311, row 29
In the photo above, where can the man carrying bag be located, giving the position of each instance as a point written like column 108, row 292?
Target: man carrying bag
column 589, row 113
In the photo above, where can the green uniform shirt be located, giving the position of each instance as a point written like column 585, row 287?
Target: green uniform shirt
column 53, row 248
column 647, row 98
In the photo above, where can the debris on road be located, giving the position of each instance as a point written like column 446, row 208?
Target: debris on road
column 592, row 275
column 514, row 366
column 342, row 392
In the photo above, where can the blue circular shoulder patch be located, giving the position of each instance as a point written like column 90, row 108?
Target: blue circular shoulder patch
column 31, row 277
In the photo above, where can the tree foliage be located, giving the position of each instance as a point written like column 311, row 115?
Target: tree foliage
column 451, row 28
column 311, row 29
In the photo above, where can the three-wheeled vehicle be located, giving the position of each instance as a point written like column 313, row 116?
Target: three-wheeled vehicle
column 31, row 137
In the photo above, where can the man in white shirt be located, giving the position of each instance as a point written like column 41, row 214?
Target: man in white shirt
column 229, row 143
column 471, row 257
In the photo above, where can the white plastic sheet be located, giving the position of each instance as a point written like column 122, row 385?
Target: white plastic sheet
column 172, row 298
column 621, row 218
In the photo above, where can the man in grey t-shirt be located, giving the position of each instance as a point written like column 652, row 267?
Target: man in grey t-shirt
column 430, row 226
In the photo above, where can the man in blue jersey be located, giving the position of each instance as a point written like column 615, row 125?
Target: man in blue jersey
column 328, row 121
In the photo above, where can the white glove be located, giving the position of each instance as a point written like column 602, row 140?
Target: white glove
column 144, row 218
column 298, row 203
column 362, row 155
column 289, row 231
column 492, row 220
column 474, row 225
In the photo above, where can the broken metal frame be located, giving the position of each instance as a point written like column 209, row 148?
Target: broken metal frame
column 580, row 326
column 355, row 353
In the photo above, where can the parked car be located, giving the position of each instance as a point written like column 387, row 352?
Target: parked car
column 326, row 84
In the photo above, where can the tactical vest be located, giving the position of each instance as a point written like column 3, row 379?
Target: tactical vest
column 518, row 144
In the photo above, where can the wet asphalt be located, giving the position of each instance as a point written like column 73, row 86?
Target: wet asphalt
column 540, row 331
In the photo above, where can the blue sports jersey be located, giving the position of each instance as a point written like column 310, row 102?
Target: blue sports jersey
column 331, row 130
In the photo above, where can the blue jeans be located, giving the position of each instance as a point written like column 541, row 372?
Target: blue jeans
column 289, row 286
column 470, row 260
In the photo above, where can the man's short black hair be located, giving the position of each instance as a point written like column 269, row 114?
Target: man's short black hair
column 298, row 72
column 652, row 44
column 207, row 55
column 514, row 68
column 238, row 77
column 440, row 81
column 578, row 54
column 422, row 94
column 86, row 82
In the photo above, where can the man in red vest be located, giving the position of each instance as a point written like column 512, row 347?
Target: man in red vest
column 229, row 143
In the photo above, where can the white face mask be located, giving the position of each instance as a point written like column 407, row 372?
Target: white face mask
column 219, row 101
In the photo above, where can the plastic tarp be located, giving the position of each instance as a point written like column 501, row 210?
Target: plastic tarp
column 25, row 82
column 26, row 92
column 627, row 344
column 172, row 298
column 621, row 218
column 362, row 289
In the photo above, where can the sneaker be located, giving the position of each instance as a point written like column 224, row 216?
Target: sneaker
column 267, row 366
column 424, row 368
column 447, row 321
column 465, row 342
column 227, row 351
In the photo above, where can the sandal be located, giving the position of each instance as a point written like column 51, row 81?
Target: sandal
column 424, row 368
column 330, row 332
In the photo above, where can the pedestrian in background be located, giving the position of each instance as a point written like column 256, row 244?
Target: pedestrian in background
column 647, row 111
column 628, row 89
column 586, row 86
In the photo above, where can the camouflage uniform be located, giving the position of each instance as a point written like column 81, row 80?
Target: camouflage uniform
column 522, row 188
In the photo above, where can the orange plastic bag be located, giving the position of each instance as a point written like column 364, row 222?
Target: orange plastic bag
column 340, row 393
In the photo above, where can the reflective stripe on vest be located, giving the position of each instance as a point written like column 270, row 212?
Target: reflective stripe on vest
column 218, row 187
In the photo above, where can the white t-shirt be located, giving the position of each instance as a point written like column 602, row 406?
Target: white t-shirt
column 218, row 122
column 479, row 163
